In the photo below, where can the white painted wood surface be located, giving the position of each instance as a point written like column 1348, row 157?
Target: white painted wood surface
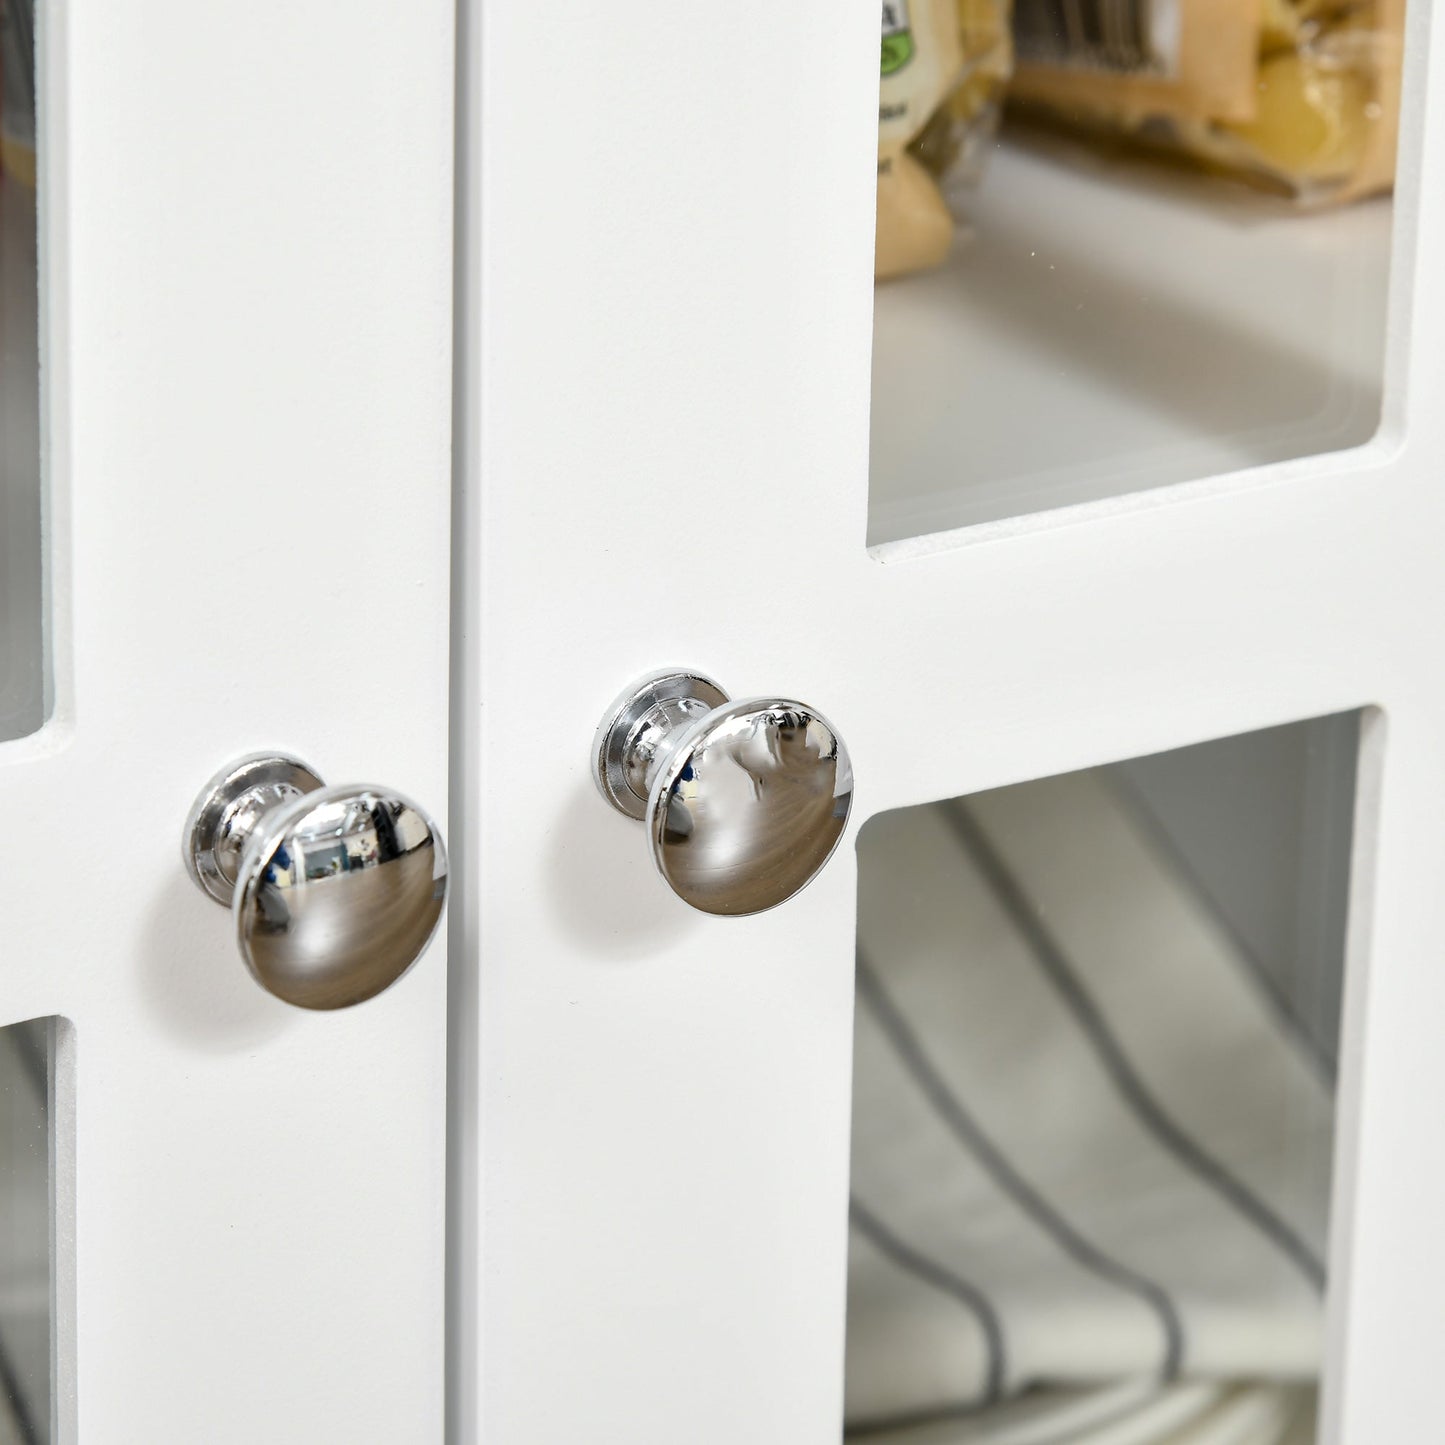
column 666, row 394
column 246, row 233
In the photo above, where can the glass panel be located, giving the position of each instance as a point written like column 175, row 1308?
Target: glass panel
column 1093, row 1117
column 1148, row 276
column 22, row 670
column 27, row 1057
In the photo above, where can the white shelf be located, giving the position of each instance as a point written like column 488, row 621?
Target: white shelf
column 1113, row 324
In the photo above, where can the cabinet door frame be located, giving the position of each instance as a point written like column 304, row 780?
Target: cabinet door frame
column 666, row 286
column 246, row 308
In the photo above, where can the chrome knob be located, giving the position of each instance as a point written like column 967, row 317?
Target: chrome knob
column 336, row 891
column 743, row 801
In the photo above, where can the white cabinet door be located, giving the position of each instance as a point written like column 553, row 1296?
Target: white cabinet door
column 245, row 282
column 668, row 297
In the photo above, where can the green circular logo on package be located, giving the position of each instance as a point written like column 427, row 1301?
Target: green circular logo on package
column 897, row 51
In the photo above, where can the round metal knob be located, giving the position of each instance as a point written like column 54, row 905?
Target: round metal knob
column 743, row 801
column 336, row 891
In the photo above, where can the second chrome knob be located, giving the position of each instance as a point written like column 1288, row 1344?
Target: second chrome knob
column 743, row 801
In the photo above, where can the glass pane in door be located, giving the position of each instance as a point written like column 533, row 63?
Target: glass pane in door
column 27, row 1059
column 1096, row 1052
column 1122, row 245
column 22, row 666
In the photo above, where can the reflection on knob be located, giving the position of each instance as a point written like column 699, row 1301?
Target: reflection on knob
column 336, row 891
column 743, row 801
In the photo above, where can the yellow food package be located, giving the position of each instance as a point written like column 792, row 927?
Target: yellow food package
column 1300, row 96
column 943, row 70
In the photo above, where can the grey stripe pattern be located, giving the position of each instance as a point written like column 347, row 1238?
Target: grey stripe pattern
column 948, row 1282
column 1277, row 1004
column 12, row 1400
column 966, row 1129
column 1061, row 974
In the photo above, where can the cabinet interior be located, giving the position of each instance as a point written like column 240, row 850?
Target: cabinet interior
column 22, row 626
column 27, row 1153
column 1096, row 1048
column 1108, row 323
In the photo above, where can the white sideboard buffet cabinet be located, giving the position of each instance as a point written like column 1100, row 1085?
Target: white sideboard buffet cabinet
column 935, row 785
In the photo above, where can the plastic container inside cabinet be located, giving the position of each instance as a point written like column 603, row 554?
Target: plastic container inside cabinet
column 1299, row 96
column 945, row 63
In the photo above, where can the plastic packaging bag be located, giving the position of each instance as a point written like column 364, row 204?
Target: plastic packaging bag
column 1301, row 96
column 944, row 67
